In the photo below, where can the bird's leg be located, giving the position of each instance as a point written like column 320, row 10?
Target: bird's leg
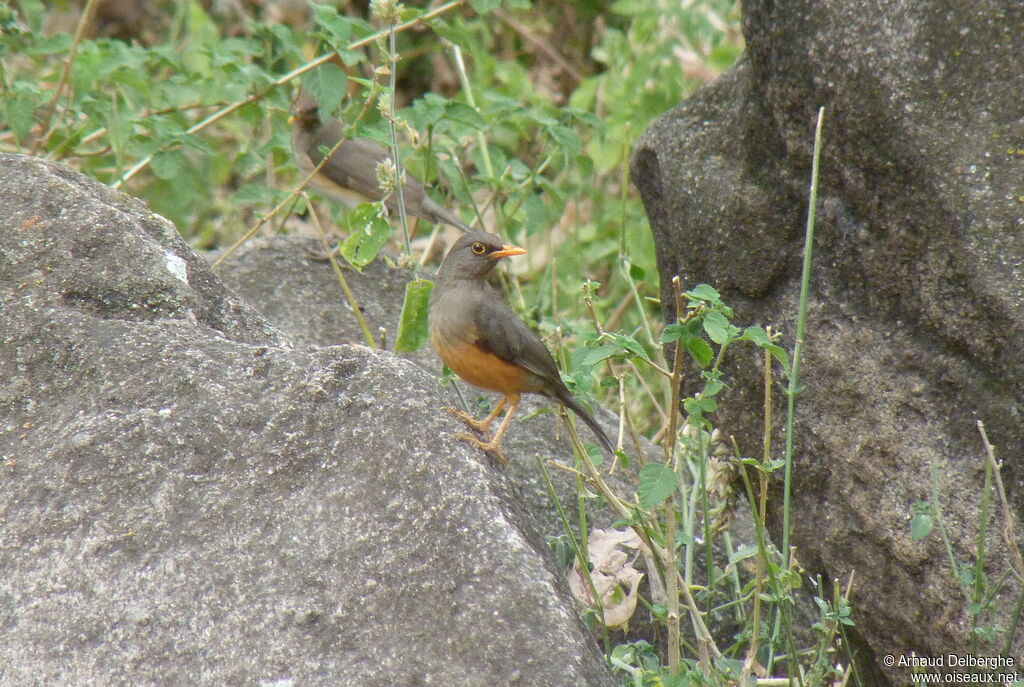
column 482, row 426
column 494, row 445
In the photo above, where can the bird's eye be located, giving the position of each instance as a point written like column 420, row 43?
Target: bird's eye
column 478, row 248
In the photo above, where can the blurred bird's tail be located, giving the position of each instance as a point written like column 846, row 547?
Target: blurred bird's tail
column 569, row 402
column 442, row 214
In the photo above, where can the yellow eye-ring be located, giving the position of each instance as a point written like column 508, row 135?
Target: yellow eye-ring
column 478, row 248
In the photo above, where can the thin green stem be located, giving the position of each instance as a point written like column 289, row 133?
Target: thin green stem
column 396, row 159
column 801, row 327
column 793, row 388
column 580, row 552
column 671, row 459
column 49, row 127
column 353, row 304
column 467, row 89
column 979, row 561
column 954, row 568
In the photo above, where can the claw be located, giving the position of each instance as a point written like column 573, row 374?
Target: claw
column 492, row 447
column 482, row 426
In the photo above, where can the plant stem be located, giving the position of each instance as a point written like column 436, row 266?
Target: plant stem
column 396, row 160
column 801, row 325
column 467, row 88
column 979, row 559
column 582, row 555
column 49, row 127
column 671, row 459
column 793, row 388
column 353, row 304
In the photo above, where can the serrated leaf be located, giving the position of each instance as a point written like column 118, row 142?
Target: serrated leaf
column 699, row 406
column 757, row 336
column 629, row 344
column 920, row 526
column 703, row 292
column 484, row 6
column 337, row 26
column 700, row 350
column 412, row 327
column 593, row 356
column 718, row 328
column 258, row 194
column 742, row 553
column 57, row 44
column 672, row 332
column 464, row 114
column 20, row 110
column 326, row 85
column 712, row 387
column 567, row 139
column 657, row 481
column 167, row 164
column 370, row 233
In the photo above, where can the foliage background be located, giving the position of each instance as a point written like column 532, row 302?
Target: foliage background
column 559, row 92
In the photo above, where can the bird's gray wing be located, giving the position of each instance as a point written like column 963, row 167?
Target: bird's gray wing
column 500, row 331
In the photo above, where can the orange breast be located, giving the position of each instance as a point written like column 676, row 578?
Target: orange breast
column 481, row 368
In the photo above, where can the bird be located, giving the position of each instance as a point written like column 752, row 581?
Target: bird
column 481, row 339
column 350, row 174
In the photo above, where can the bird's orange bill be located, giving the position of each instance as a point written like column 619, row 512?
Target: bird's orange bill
column 506, row 251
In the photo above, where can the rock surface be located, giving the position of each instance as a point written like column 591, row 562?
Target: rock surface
column 302, row 297
column 917, row 305
column 189, row 499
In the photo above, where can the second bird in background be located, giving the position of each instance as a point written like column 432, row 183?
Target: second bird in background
column 349, row 176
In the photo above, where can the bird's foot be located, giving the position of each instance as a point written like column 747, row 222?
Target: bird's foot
column 482, row 426
column 491, row 447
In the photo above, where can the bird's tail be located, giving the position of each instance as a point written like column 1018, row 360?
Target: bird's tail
column 569, row 402
column 443, row 214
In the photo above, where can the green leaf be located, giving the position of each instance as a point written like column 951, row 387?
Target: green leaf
column 412, row 328
column 593, row 356
column 742, row 553
column 757, row 336
column 703, row 292
column 700, row 350
column 425, row 111
column 326, row 85
column 20, row 109
column 699, row 406
column 718, row 328
column 484, row 6
column 464, row 114
column 673, row 332
column 337, row 26
column 370, row 232
column 167, row 164
column 779, row 355
column 920, row 526
column 255, row 194
column 731, row 667
column 712, row 387
column 57, row 44
column 657, row 482
column 629, row 344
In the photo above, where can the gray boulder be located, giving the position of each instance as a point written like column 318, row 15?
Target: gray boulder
column 189, row 499
column 917, row 305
